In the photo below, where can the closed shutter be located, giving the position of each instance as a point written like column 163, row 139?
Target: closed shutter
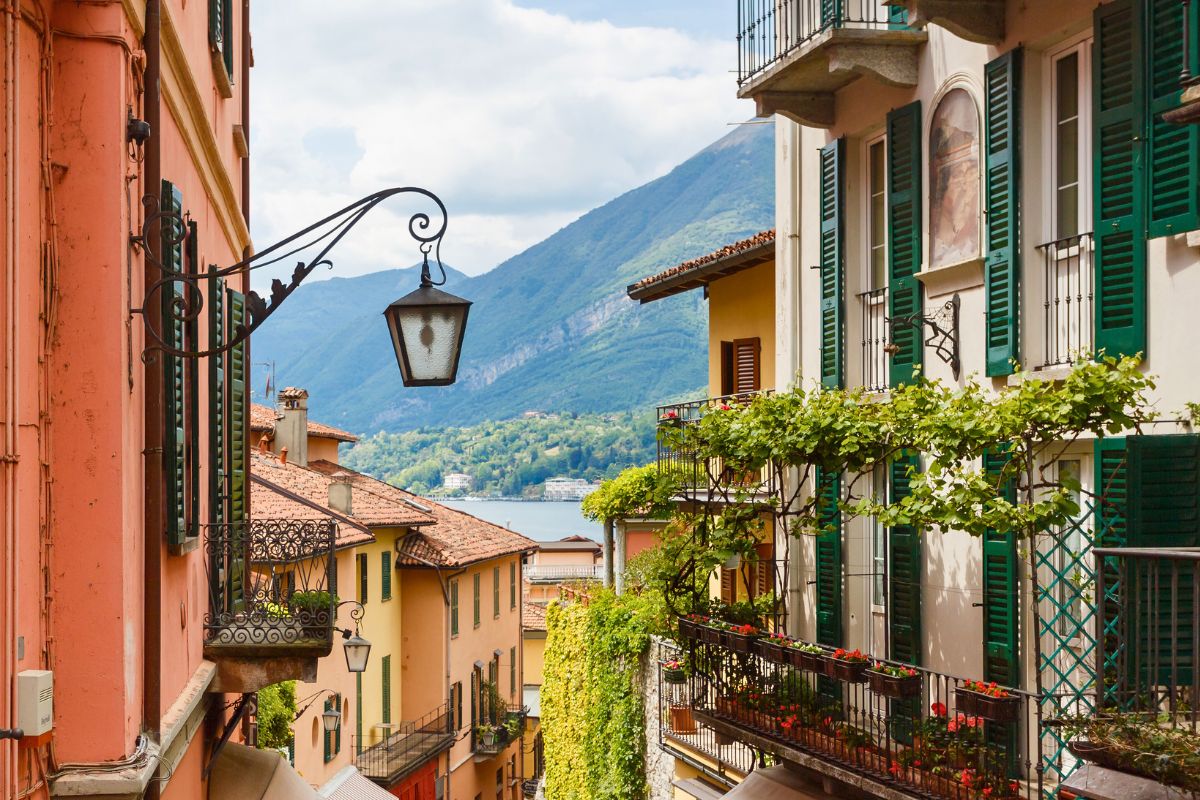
column 829, row 559
column 220, row 32
column 175, row 440
column 386, row 709
column 385, row 576
column 1172, row 150
column 904, row 571
column 746, row 365
column 904, row 237
column 764, row 586
column 1000, row 589
column 1002, row 268
column 327, row 737
column 239, row 413
column 495, row 592
column 1112, row 486
column 358, row 714
column 897, row 17
column 476, row 577
column 454, row 608
column 191, row 394
column 1119, row 179
column 218, row 438
column 832, row 169
column 512, row 671
column 728, row 585
column 512, row 584
column 831, row 13
column 363, row 566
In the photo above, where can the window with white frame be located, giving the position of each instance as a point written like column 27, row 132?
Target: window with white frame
column 875, row 274
column 878, row 546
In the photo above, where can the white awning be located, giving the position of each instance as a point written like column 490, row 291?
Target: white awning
column 774, row 783
column 246, row 773
column 350, row 784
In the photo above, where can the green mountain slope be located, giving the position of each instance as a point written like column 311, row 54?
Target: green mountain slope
column 551, row 328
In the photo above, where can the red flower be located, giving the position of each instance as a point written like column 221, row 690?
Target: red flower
column 916, row 762
column 938, row 709
column 725, row 407
column 828, row 721
column 894, row 768
column 966, row 778
column 952, row 725
column 987, row 791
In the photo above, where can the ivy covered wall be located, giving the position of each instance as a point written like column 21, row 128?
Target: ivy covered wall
column 593, row 722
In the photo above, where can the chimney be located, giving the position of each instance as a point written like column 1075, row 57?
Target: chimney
column 283, row 455
column 341, row 492
column 291, row 424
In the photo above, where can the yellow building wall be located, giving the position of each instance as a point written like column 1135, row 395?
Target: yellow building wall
column 742, row 306
column 535, row 657
column 323, row 449
column 381, row 625
column 424, row 633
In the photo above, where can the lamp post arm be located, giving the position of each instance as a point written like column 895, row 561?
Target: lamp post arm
column 312, row 698
column 187, row 299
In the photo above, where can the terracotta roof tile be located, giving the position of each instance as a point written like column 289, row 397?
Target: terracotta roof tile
column 266, row 502
column 729, row 251
column 454, row 540
column 533, row 616
column 262, row 418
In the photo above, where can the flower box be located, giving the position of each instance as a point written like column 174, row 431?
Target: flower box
column 708, row 634
column 775, row 652
column 892, row 685
column 812, row 662
column 846, row 671
column 726, row 707
column 682, row 720
column 687, row 628
column 674, row 676
column 993, row 709
column 738, row 642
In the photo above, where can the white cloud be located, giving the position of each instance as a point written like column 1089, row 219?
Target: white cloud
column 518, row 118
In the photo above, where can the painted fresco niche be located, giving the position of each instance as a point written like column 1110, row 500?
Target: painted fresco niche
column 954, row 181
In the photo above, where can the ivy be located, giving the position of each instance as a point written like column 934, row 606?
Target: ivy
column 636, row 491
column 593, row 724
column 276, row 710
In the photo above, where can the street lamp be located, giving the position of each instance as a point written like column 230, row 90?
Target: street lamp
column 427, row 329
column 331, row 718
column 357, row 651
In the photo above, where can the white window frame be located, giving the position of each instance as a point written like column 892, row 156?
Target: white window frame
column 870, row 142
column 878, row 536
column 1081, row 45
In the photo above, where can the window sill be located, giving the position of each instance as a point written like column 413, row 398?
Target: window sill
column 186, row 546
column 221, row 78
column 953, row 277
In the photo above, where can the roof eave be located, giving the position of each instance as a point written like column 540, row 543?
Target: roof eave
column 703, row 274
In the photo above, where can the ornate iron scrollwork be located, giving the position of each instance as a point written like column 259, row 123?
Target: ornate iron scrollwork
column 188, row 301
column 942, row 336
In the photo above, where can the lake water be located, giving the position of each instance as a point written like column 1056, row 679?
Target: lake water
column 540, row 521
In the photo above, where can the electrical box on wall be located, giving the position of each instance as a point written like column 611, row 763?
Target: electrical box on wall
column 35, row 701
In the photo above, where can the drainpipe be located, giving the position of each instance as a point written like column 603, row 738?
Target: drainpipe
column 246, row 112
column 153, row 455
column 8, row 765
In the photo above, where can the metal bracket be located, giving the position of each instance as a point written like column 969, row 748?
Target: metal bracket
column 243, row 705
column 943, row 332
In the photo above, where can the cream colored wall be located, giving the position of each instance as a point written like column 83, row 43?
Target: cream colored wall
column 742, row 306
column 534, row 643
column 322, row 449
column 544, row 558
column 951, row 576
column 424, row 634
column 381, row 625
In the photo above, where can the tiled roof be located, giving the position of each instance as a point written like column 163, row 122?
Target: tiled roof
column 373, row 503
column 533, row 616
column 731, row 258
column 267, row 502
column 454, row 539
column 262, row 418
column 570, row 544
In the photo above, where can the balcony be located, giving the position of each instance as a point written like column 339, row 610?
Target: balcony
column 875, row 337
column 406, row 747
column 556, row 573
column 707, row 480
column 793, row 55
column 927, row 735
column 271, row 610
column 496, row 731
column 1068, row 304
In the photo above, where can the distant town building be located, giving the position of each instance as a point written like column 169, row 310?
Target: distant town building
column 533, row 415
column 567, row 488
column 457, row 481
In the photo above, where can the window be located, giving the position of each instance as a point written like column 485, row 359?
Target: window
column 954, row 180
column 456, row 704
column 877, row 214
column 512, row 585
column 385, row 582
column 495, row 592
column 362, row 578
column 1067, row 150
column 476, row 577
column 878, row 546
column 512, row 671
column 454, row 607
column 386, row 708
column 500, row 783
column 220, row 35
column 740, row 366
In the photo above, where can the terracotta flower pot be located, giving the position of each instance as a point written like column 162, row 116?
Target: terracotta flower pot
column 994, row 709
column 682, row 719
column 893, row 686
column 846, row 671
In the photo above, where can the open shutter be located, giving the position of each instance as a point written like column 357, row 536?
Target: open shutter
column 831, row 13
column 904, row 237
column 239, row 417
column 1173, row 151
column 1119, row 180
column 829, row 560
column 1112, row 486
column 1000, row 589
column 1163, row 509
column 328, row 735
column 728, row 585
column 175, row 440
column 904, row 571
column 218, row 438
column 385, row 575
column 1002, row 268
column 746, row 354
column 897, row 17
column 385, row 712
column 833, row 159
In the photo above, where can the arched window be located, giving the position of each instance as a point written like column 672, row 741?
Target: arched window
column 954, row 180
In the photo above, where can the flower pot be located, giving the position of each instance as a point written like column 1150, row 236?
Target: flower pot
column 774, row 652
column 726, row 707
column 723, row 739
column 708, row 635
column 993, row 709
column 893, row 686
column 488, row 737
column 687, row 629
column 674, row 676
column 738, row 642
column 682, row 719
column 846, row 671
column 812, row 662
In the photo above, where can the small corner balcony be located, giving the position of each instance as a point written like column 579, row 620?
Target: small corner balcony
column 405, row 747
column 558, row 573
column 707, row 480
column 271, row 609
column 794, row 55
column 497, row 731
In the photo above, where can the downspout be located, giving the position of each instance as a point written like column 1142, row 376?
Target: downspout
column 8, row 761
column 246, row 110
column 152, row 375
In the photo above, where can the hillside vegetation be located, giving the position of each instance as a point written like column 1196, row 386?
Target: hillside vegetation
column 510, row 457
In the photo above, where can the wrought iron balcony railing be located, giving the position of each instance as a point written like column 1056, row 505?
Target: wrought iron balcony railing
column 551, row 573
column 699, row 476
column 927, row 734
column 495, row 732
column 1068, row 306
column 768, row 30
column 875, row 337
column 406, row 747
column 269, row 588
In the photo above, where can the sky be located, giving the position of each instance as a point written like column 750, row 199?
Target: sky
column 520, row 114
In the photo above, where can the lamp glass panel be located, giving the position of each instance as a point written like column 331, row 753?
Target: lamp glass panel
column 431, row 339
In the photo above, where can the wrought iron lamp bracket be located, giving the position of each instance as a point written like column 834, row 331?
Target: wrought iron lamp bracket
column 188, row 300
column 356, row 614
column 942, row 334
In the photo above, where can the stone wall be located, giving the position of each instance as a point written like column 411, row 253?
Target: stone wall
column 660, row 765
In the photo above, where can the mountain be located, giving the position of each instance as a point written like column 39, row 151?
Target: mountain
column 551, row 328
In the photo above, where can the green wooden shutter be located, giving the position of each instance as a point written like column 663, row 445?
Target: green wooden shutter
column 904, row 237
column 1119, row 179
column 337, row 734
column 385, row 576
column 218, row 435
column 829, row 559
column 512, row 584
column 191, row 394
column 897, row 17
column 512, row 671
column 1112, row 486
column 832, row 167
column 476, row 599
column 220, row 31
column 1001, row 662
column 1172, row 151
column 1002, row 267
column 327, row 736
column 363, row 565
column 904, row 571
column 174, row 381
column 386, row 710
column 239, row 413
column 495, row 591
column 358, row 714
column 454, row 607
column 831, row 13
